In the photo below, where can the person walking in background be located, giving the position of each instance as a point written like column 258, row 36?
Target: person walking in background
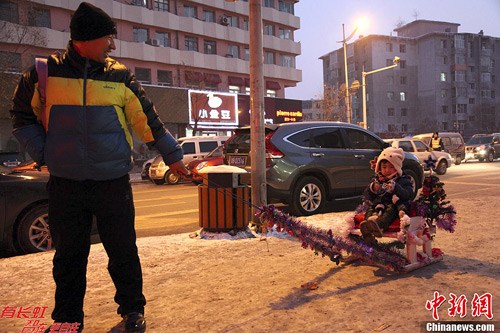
column 82, row 135
column 436, row 142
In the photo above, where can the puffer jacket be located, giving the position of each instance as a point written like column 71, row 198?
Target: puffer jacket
column 89, row 108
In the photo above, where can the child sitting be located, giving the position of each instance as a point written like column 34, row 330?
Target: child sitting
column 389, row 192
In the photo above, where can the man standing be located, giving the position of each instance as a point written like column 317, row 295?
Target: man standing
column 81, row 133
column 436, row 142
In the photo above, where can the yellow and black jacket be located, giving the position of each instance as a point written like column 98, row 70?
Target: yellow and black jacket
column 89, row 108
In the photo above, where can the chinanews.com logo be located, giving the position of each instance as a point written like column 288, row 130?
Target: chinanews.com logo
column 459, row 307
column 34, row 317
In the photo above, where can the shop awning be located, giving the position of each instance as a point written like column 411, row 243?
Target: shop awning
column 194, row 76
column 212, row 78
column 236, row 81
column 273, row 85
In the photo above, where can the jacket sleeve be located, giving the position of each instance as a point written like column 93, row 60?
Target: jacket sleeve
column 146, row 123
column 403, row 188
column 27, row 128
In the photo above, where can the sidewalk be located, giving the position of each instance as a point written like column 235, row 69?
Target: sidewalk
column 273, row 285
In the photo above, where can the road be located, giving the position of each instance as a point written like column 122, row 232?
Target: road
column 171, row 209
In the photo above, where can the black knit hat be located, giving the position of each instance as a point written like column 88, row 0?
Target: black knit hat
column 90, row 22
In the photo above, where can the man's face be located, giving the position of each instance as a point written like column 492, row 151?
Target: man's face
column 98, row 49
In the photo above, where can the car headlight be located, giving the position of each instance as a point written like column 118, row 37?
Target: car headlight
column 201, row 165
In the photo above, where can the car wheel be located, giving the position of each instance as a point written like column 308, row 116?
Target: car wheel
column 458, row 160
column 481, row 159
column 490, row 157
column 159, row 181
column 441, row 168
column 145, row 173
column 33, row 234
column 413, row 179
column 171, row 178
column 309, row 197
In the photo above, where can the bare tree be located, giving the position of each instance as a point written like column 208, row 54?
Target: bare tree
column 333, row 104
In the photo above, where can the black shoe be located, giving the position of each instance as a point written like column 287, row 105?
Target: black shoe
column 134, row 322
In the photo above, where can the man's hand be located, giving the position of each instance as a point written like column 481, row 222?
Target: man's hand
column 179, row 169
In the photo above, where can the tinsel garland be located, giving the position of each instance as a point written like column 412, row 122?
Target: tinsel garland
column 324, row 242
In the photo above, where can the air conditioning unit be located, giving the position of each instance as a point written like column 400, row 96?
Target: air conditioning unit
column 154, row 42
column 224, row 20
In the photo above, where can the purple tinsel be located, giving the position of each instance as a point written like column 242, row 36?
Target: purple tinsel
column 324, row 242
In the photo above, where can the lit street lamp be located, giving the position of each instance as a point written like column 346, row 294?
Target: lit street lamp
column 395, row 62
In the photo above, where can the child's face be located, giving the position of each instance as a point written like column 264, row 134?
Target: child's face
column 387, row 169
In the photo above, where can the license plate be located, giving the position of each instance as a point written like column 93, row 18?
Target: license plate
column 239, row 161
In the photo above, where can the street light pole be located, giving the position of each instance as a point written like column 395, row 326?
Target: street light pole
column 363, row 84
column 347, row 93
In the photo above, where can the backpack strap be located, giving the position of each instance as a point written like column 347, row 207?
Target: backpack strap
column 41, row 69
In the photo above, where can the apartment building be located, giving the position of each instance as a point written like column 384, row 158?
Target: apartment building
column 446, row 80
column 171, row 45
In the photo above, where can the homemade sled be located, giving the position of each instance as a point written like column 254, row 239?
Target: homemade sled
column 415, row 233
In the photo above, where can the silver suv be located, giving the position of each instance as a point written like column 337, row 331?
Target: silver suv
column 483, row 147
column 309, row 163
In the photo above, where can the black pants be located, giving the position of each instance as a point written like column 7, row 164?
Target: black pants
column 390, row 213
column 72, row 205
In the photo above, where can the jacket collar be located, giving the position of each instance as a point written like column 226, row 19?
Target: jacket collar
column 79, row 62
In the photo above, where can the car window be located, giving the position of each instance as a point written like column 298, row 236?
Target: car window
column 239, row 142
column 406, row 146
column 188, row 148
column 216, row 152
column 362, row 140
column 207, row 146
column 446, row 141
column 302, row 138
column 327, row 137
column 421, row 147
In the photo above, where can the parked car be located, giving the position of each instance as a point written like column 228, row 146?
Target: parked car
column 453, row 142
column 213, row 158
column 483, row 147
column 30, row 166
column 308, row 163
column 145, row 169
column 422, row 151
column 195, row 147
column 11, row 158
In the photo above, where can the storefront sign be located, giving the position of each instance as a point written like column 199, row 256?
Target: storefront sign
column 213, row 109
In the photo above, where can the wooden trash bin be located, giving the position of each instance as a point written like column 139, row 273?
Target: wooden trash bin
column 223, row 202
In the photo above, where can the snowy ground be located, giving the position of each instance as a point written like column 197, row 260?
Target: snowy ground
column 257, row 285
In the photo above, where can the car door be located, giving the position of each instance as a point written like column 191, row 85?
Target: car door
column 361, row 148
column 328, row 153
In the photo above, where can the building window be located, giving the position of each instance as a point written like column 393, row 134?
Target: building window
column 459, row 41
column 285, row 6
column 140, row 35
column 163, row 38
column 459, row 76
column 404, row 128
column 388, row 48
column 160, row 5
column 247, row 54
column 270, row 93
column 208, row 16
column 164, row 78
column 209, row 47
column 485, row 93
column 402, row 48
column 404, row 112
column 459, row 59
column 390, row 112
column 444, row 108
column 143, row 75
column 285, row 33
column 287, row 61
column 269, row 3
column 472, row 86
column 233, row 51
column 472, row 101
column 443, row 43
column 190, row 11
column 402, row 64
column 141, row 3
column 402, row 96
column 402, row 79
column 39, row 17
column 269, row 29
column 444, row 93
column 485, row 77
column 234, row 89
column 269, row 58
column 191, row 43
column 493, row 94
column 461, row 108
column 9, row 12
column 442, row 77
column 390, row 95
